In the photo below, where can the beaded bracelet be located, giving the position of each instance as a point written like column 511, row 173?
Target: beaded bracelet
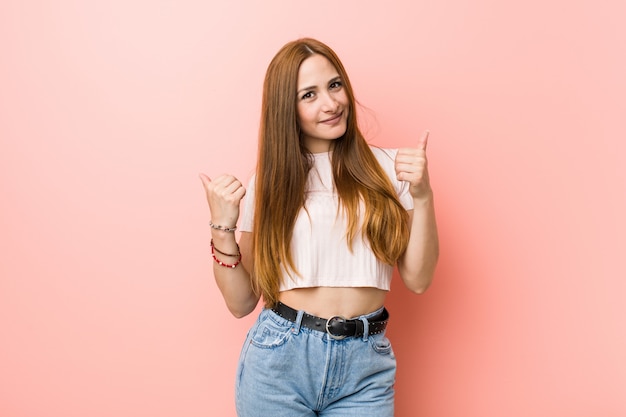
column 222, row 228
column 224, row 264
column 224, row 253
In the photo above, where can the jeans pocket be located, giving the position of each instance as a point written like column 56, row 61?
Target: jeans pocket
column 270, row 335
column 380, row 344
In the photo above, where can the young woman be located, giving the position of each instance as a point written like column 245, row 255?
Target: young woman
column 326, row 218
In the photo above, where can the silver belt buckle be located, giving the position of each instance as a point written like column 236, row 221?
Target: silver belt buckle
column 332, row 336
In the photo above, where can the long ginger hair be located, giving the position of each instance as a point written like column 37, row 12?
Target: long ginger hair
column 283, row 165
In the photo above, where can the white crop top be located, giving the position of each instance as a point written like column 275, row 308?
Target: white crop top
column 319, row 247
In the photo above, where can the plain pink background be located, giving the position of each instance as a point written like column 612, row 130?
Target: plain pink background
column 109, row 109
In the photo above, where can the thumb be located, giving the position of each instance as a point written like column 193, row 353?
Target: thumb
column 423, row 141
column 205, row 180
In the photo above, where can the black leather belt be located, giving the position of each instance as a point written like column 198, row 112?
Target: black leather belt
column 337, row 327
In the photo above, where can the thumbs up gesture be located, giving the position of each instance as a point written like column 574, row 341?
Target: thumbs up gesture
column 412, row 166
column 223, row 193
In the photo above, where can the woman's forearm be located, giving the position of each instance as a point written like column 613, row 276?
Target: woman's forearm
column 417, row 264
column 234, row 283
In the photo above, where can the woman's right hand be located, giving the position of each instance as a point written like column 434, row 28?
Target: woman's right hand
column 224, row 193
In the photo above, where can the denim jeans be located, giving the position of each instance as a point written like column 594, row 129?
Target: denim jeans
column 286, row 370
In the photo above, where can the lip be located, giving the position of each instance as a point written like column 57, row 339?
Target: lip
column 333, row 120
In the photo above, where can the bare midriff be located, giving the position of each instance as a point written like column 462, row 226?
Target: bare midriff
column 325, row 302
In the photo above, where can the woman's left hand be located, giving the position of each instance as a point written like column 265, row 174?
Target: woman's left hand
column 412, row 166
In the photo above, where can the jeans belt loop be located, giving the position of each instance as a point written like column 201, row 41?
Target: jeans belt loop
column 298, row 323
column 366, row 328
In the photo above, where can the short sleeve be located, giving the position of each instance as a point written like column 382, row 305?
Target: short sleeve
column 247, row 218
column 387, row 158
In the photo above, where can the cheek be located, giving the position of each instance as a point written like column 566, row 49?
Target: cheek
column 305, row 115
column 344, row 99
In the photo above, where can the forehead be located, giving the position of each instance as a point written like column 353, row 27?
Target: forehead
column 315, row 70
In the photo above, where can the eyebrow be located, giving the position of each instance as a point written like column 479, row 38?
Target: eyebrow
column 313, row 87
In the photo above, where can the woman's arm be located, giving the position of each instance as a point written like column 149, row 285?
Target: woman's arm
column 417, row 264
column 224, row 195
column 234, row 283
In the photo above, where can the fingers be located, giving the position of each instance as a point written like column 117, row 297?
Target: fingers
column 411, row 165
column 412, row 169
column 224, row 194
column 229, row 187
column 411, row 159
column 225, row 187
column 222, row 181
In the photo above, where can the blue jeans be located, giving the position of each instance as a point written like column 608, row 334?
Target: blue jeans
column 286, row 370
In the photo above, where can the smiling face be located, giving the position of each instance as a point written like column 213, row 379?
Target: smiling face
column 322, row 104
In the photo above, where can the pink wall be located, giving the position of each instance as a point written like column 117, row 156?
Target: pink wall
column 108, row 110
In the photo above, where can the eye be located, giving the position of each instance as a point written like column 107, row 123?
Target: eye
column 307, row 95
column 336, row 85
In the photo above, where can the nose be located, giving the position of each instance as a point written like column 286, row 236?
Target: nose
column 330, row 105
